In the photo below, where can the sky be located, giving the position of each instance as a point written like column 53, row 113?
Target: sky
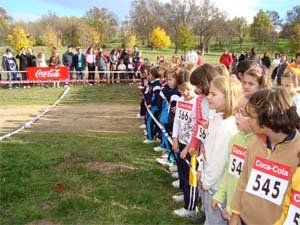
column 30, row 10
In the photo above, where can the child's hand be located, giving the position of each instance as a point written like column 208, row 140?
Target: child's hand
column 198, row 176
column 192, row 151
column 225, row 215
column 235, row 220
column 173, row 109
column 214, row 203
column 184, row 153
column 175, row 146
column 149, row 106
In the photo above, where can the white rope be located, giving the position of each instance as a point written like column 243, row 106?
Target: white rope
column 37, row 117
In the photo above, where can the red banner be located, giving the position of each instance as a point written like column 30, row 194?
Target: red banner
column 47, row 73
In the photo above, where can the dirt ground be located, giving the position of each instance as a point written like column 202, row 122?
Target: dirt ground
column 85, row 118
column 13, row 117
column 96, row 118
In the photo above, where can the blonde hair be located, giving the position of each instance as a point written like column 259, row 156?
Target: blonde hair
column 222, row 70
column 232, row 90
column 260, row 74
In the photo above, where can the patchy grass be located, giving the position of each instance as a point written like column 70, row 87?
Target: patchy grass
column 33, row 163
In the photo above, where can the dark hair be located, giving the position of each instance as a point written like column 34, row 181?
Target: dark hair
column 244, row 65
column 145, row 67
column 275, row 110
column 182, row 76
column 155, row 73
column 297, row 54
column 8, row 50
column 202, row 76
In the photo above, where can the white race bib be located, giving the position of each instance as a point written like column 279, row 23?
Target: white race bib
column 236, row 161
column 268, row 180
column 202, row 133
column 185, row 110
column 293, row 217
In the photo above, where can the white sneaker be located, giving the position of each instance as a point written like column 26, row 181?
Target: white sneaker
column 173, row 168
column 175, row 184
column 162, row 161
column 184, row 212
column 138, row 116
column 165, row 156
column 147, row 141
column 143, row 126
column 178, row 198
column 175, row 175
column 159, row 149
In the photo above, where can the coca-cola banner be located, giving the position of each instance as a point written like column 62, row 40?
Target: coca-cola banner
column 47, row 73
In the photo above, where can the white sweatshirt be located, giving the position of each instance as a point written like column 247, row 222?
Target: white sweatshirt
column 216, row 144
column 184, row 120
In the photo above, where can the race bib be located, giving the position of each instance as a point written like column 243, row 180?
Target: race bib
column 293, row 217
column 185, row 110
column 202, row 133
column 268, row 180
column 236, row 161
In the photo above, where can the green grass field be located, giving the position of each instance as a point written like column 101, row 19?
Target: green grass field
column 32, row 163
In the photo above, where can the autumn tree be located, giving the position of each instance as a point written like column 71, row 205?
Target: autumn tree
column 261, row 28
column 160, row 39
column 51, row 37
column 89, row 35
column 18, row 39
column 5, row 21
column 185, row 38
column 294, row 39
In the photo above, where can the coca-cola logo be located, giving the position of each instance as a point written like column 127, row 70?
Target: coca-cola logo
column 52, row 73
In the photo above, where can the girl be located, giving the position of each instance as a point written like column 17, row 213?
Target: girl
column 90, row 61
column 255, row 78
column 271, row 161
column 151, row 96
column 182, row 131
column 169, row 96
column 289, row 82
column 224, row 94
column 242, row 67
column 238, row 149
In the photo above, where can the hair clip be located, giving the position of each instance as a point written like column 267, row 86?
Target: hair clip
column 259, row 69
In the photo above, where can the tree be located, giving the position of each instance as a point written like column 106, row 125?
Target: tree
column 103, row 21
column 18, row 39
column 160, row 39
column 294, row 39
column 261, row 28
column 293, row 16
column 275, row 18
column 185, row 38
column 5, row 22
column 51, row 37
column 88, row 35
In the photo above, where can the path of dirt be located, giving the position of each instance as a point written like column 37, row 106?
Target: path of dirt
column 96, row 118
column 13, row 117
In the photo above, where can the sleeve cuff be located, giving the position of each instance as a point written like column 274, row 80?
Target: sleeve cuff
column 235, row 212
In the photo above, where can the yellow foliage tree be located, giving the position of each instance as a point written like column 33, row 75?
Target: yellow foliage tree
column 18, row 39
column 160, row 39
column 88, row 36
column 51, row 37
column 132, row 41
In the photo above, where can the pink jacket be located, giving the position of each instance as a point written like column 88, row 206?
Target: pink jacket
column 195, row 142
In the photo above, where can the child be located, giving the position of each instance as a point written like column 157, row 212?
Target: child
column 255, row 78
column 224, row 95
column 238, row 150
column 151, row 96
column 182, row 131
column 169, row 95
column 242, row 67
column 289, row 82
column 143, row 84
column 271, row 160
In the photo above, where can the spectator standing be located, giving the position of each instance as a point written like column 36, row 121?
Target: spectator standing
column 67, row 60
column 266, row 60
column 276, row 60
column 226, row 59
column 54, row 58
column 40, row 61
column 91, row 64
column 191, row 57
column 9, row 64
column 136, row 54
column 101, row 61
column 79, row 64
column 23, row 64
column 31, row 58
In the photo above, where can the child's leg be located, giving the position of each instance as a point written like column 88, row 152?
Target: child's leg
column 212, row 216
column 190, row 186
